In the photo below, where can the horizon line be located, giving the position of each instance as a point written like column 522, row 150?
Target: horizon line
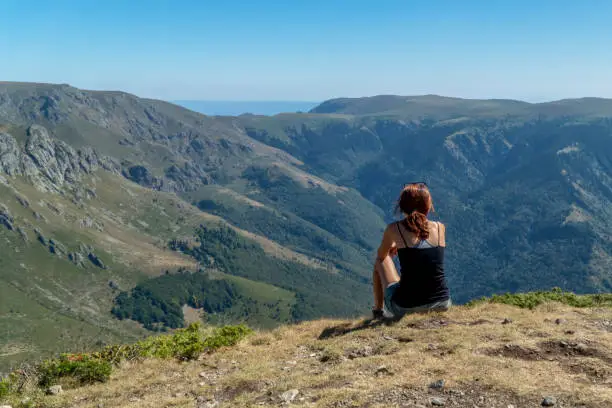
column 172, row 100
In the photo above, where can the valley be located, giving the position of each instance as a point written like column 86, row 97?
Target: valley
column 103, row 194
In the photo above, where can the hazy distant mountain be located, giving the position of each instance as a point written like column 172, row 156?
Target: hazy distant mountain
column 101, row 193
column 235, row 108
column 441, row 108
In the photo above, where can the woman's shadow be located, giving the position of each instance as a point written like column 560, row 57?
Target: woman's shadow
column 346, row 328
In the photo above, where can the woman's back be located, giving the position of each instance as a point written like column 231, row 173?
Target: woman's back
column 422, row 279
column 420, row 244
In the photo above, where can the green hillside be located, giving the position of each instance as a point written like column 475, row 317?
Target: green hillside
column 110, row 204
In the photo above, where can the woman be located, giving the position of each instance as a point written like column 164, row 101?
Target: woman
column 419, row 244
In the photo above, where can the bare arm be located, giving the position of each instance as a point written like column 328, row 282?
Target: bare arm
column 387, row 247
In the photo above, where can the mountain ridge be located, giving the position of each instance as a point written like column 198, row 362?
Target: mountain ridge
column 431, row 105
column 526, row 201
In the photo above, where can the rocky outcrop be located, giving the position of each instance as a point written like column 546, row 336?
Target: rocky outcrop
column 189, row 177
column 48, row 163
column 110, row 164
column 22, row 200
column 10, row 161
column 143, row 176
column 76, row 258
column 23, row 234
column 56, row 162
column 94, row 259
column 40, row 236
column 6, row 219
column 56, row 247
column 88, row 160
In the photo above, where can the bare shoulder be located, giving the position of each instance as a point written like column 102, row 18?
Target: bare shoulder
column 441, row 234
column 391, row 229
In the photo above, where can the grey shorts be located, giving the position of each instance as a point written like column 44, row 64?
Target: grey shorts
column 399, row 311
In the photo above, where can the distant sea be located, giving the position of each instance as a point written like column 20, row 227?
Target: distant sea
column 235, row 108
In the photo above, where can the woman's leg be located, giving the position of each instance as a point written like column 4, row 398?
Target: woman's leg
column 379, row 294
column 384, row 274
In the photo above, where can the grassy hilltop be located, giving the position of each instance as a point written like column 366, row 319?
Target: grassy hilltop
column 488, row 354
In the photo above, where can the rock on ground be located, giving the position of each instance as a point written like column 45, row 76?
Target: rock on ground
column 54, row 390
column 289, row 396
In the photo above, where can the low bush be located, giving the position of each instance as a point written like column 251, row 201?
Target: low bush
column 184, row 344
column 83, row 368
column 226, row 336
column 5, row 387
column 531, row 300
column 88, row 368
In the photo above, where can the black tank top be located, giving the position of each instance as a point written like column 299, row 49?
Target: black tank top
column 422, row 279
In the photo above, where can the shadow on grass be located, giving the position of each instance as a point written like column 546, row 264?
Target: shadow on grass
column 346, row 328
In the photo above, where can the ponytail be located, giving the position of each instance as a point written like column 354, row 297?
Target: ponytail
column 415, row 203
column 416, row 222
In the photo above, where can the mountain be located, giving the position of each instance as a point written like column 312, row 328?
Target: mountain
column 120, row 215
column 236, row 108
column 525, row 193
column 99, row 200
column 442, row 108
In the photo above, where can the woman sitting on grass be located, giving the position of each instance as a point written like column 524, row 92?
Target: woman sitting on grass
column 419, row 243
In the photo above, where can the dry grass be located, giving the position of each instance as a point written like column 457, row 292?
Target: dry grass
column 340, row 364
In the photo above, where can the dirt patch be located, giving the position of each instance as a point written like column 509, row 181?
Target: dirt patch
column 472, row 394
column 192, row 315
column 595, row 373
column 360, row 352
column 478, row 322
column 575, row 349
column 536, row 333
column 239, row 388
column 346, row 328
column 441, row 350
column 437, row 322
column 428, row 324
column 516, row 351
column 574, row 357
column 368, row 351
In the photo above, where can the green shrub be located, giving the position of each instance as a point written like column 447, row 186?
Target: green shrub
column 226, row 336
column 184, row 344
column 531, row 300
column 116, row 353
column 5, row 387
column 83, row 368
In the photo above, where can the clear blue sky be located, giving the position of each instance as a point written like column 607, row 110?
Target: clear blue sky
column 312, row 50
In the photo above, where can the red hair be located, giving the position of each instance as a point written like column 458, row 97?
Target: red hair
column 415, row 202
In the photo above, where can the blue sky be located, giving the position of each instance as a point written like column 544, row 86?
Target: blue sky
column 312, row 50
